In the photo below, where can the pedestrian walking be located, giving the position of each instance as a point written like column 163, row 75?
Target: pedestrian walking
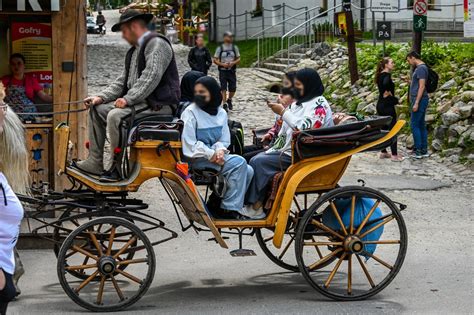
column 14, row 172
column 199, row 57
column 419, row 101
column 387, row 101
column 227, row 57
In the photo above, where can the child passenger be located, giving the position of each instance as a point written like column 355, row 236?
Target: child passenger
column 205, row 139
column 310, row 111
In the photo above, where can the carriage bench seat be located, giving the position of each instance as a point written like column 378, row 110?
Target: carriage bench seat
column 147, row 129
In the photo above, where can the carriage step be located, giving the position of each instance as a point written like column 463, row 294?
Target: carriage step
column 242, row 252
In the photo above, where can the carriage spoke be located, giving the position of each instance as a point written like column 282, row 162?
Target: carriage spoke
column 268, row 239
column 286, row 247
column 390, row 218
column 334, row 271
column 86, row 282
column 297, row 204
column 327, row 229
column 349, row 275
column 80, row 267
column 367, row 217
column 325, row 258
column 351, row 224
column 124, row 248
column 133, row 261
column 117, row 288
column 84, row 252
column 111, row 241
column 101, row 290
column 317, row 248
column 383, row 242
column 129, row 276
column 338, row 217
column 366, row 272
column 379, row 260
column 322, row 244
column 96, row 244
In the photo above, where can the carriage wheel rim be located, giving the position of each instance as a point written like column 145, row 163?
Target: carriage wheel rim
column 342, row 243
column 104, row 270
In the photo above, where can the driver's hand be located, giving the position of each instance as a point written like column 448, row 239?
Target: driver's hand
column 92, row 101
column 220, row 157
column 121, row 103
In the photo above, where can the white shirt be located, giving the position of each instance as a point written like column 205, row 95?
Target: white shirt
column 142, row 38
column 11, row 213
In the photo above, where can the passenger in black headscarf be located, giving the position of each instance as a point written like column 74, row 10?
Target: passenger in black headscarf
column 308, row 85
column 310, row 111
column 187, row 89
column 205, row 140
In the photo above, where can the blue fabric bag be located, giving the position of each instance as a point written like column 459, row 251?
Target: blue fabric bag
column 362, row 208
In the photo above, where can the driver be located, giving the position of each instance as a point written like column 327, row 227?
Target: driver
column 149, row 84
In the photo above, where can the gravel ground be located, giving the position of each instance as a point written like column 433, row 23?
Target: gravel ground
column 195, row 276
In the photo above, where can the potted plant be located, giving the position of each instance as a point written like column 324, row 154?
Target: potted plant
column 323, row 31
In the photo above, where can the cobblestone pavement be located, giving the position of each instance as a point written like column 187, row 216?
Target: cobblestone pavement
column 195, row 276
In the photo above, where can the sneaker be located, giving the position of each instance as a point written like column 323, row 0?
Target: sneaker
column 425, row 154
column 229, row 104
column 384, row 155
column 251, row 213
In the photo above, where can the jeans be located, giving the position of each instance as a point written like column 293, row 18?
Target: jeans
column 418, row 126
column 238, row 175
column 265, row 166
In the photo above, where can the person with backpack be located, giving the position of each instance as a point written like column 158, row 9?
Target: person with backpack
column 149, row 84
column 205, row 139
column 419, row 101
column 227, row 57
column 199, row 57
column 387, row 101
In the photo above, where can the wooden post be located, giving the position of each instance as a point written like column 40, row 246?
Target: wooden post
column 351, row 47
column 69, row 45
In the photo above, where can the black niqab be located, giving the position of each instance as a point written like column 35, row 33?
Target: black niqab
column 187, row 85
column 212, row 107
column 313, row 86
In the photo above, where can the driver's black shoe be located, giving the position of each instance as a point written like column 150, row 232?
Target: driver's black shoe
column 110, row 176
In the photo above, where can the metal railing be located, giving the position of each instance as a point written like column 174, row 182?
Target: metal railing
column 245, row 25
column 268, row 39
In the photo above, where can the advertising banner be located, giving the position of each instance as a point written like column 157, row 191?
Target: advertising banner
column 468, row 18
column 33, row 40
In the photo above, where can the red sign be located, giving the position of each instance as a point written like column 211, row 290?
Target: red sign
column 33, row 40
column 420, row 7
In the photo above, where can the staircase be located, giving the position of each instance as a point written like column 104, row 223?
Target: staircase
column 274, row 67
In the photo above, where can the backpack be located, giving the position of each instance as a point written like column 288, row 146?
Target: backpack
column 236, row 137
column 220, row 57
column 432, row 81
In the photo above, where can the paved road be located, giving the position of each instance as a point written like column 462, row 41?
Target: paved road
column 195, row 276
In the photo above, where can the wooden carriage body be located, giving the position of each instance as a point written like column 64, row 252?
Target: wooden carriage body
column 310, row 175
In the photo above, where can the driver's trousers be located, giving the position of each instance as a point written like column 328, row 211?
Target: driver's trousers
column 105, row 120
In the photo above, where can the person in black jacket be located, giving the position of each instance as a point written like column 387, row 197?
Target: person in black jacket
column 199, row 57
column 387, row 101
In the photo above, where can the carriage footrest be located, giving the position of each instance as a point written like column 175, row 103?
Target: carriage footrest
column 241, row 252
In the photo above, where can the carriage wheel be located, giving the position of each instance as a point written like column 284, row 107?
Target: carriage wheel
column 107, row 286
column 367, row 247
column 284, row 256
column 59, row 235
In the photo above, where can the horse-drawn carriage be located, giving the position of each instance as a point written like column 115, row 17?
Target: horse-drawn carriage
column 348, row 242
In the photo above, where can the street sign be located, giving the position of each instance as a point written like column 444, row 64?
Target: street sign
column 385, row 5
column 384, row 30
column 346, row 5
column 420, row 7
column 419, row 23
